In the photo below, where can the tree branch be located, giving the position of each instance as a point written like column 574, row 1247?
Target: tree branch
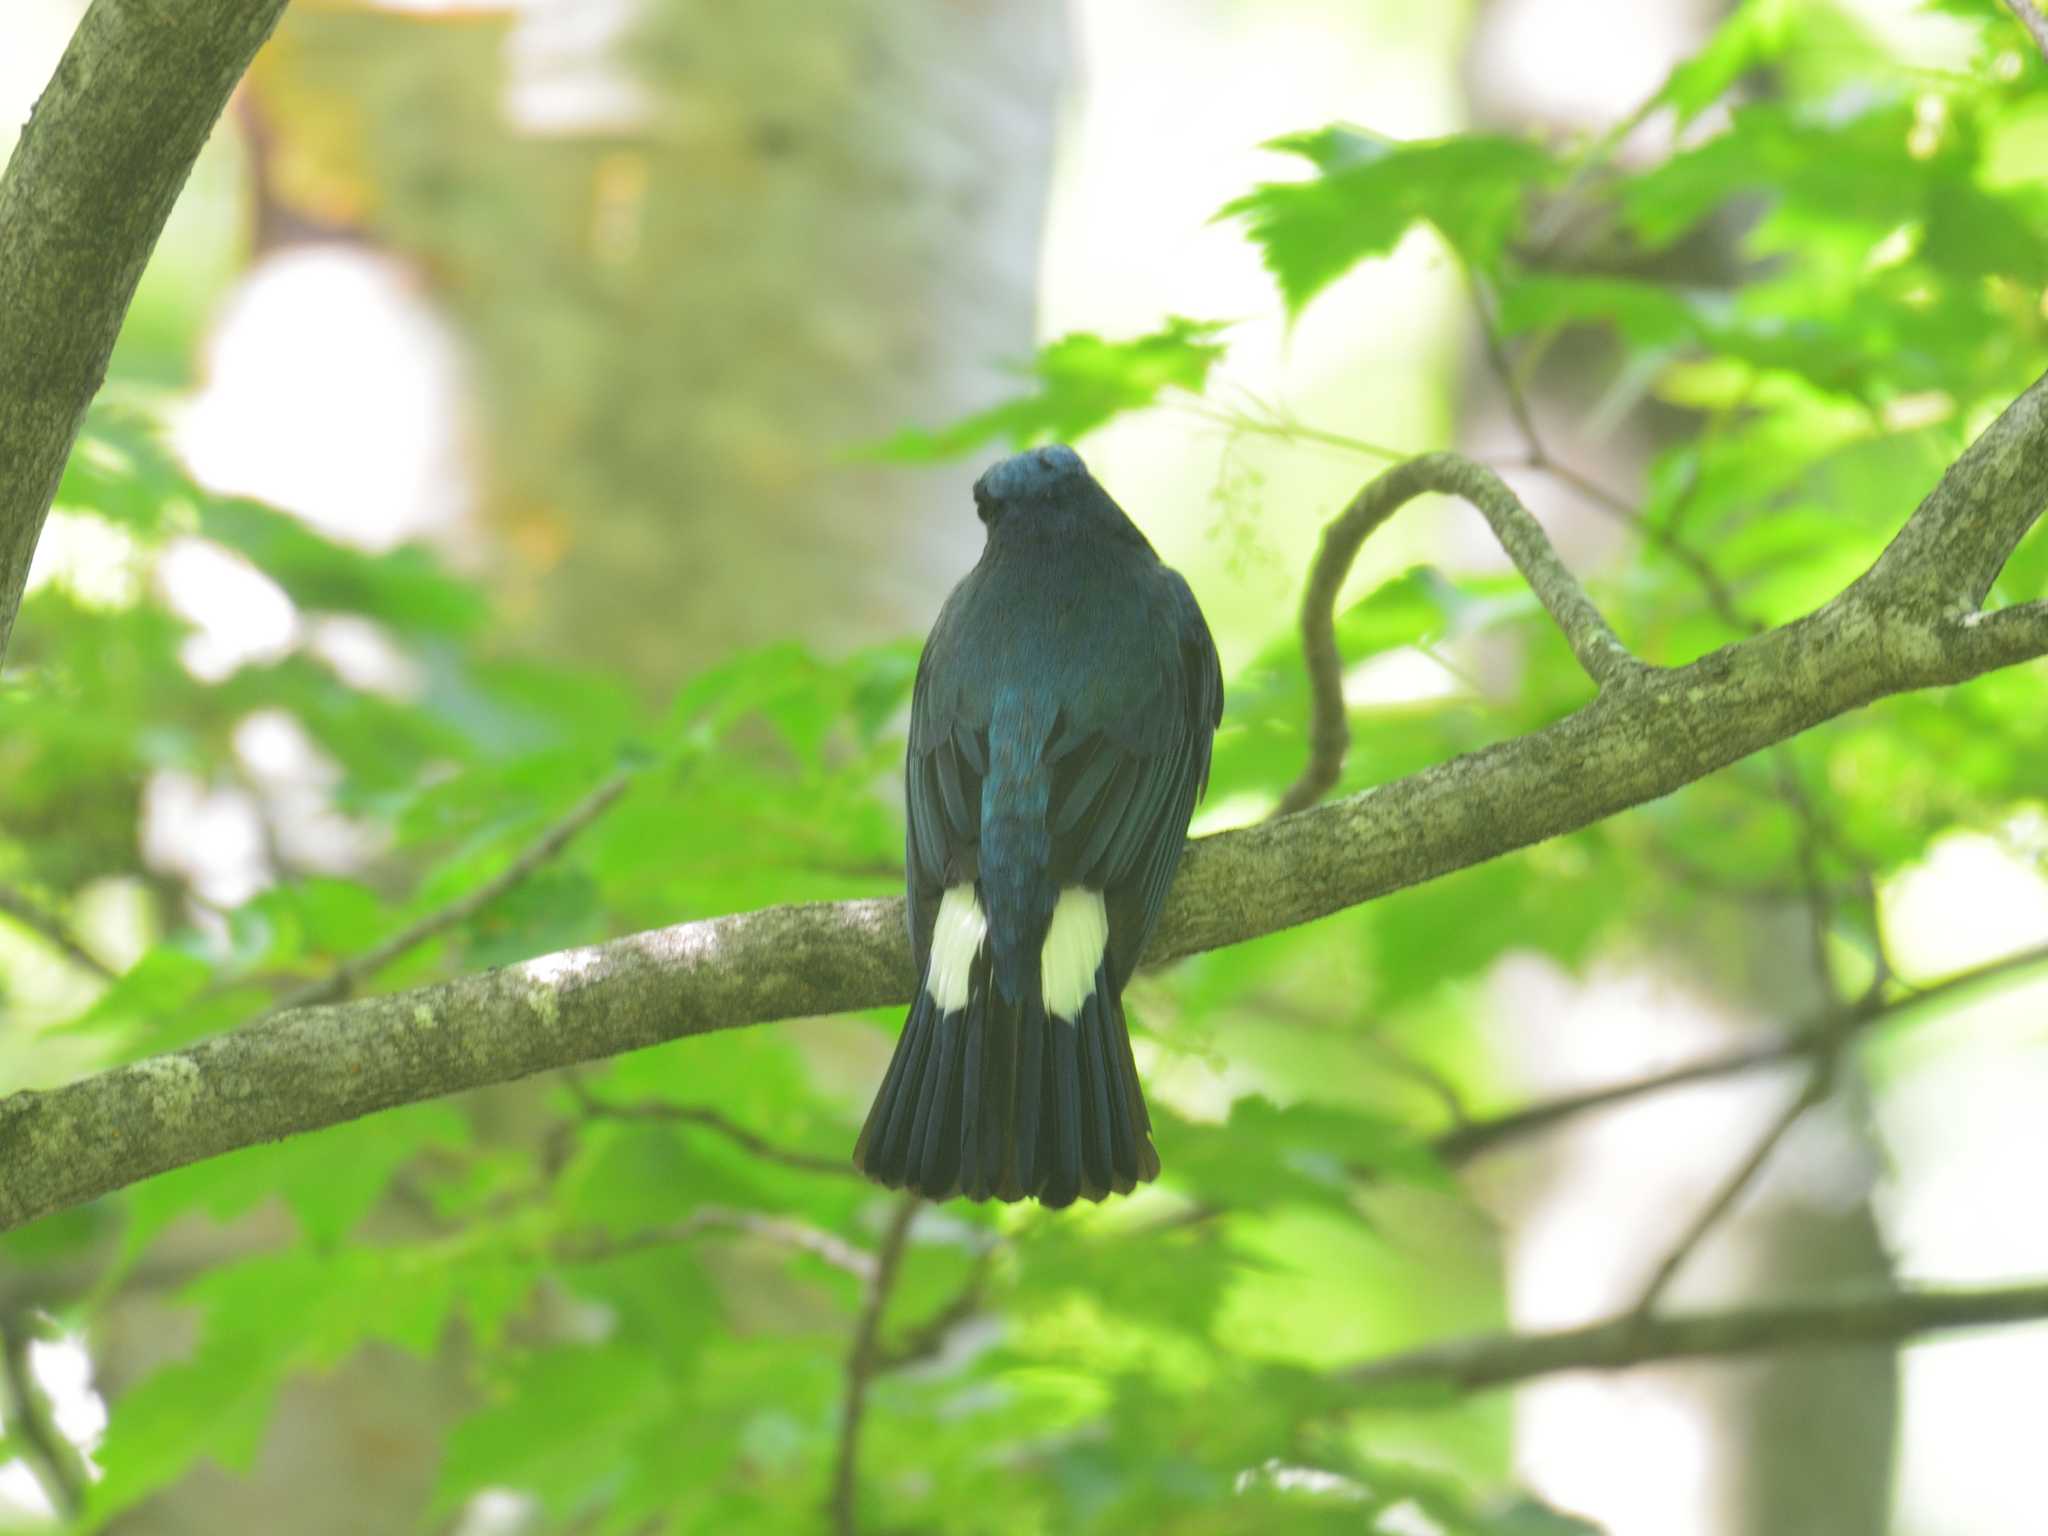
column 662, row 1111
column 26, row 1416
column 1469, row 1139
column 2031, row 18
column 863, row 1361
column 52, row 929
column 1818, row 1084
column 816, row 1241
column 99, row 164
column 1604, row 657
column 310, row 1067
column 1493, row 1360
column 348, row 975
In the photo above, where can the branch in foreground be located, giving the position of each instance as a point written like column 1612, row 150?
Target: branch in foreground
column 1898, row 628
column 84, row 197
column 1605, row 659
column 1493, row 1360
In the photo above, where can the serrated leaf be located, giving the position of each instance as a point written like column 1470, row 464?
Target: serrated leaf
column 1368, row 192
column 1082, row 381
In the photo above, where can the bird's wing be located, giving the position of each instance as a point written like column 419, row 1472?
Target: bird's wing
column 1122, row 795
column 943, row 769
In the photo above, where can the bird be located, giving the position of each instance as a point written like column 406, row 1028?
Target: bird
column 1061, row 724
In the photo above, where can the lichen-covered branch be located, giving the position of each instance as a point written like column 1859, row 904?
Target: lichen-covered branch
column 84, row 197
column 1494, row 1360
column 306, row 1068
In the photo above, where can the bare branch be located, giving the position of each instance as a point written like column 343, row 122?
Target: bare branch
column 1731, row 1189
column 928, row 1338
column 2031, row 18
column 350, row 974
column 84, row 197
column 661, row 1111
column 815, row 1241
column 863, row 1361
column 1604, row 657
column 310, row 1067
column 53, row 930
column 25, row 1414
column 1464, row 1142
column 1494, row 1360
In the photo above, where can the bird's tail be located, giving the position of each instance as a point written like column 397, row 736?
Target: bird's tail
column 996, row 1100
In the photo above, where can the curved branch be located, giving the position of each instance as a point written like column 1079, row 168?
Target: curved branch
column 310, row 1067
column 99, row 164
column 1494, row 1360
column 1605, row 659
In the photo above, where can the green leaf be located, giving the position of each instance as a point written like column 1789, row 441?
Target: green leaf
column 1082, row 381
column 1751, row 37
column 1368, row 192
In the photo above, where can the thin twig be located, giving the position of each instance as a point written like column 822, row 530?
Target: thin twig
column 862, row 1363
column 1618, row 507
column 816, row 1241
column 1461, row 1143
column 660, row 1110
column 26, row 1415
column 53, row 930
column 1819, row 1082
column 2032, row 19
column 1605, row 659
column 350, row 973
column 928, row 1338
column 1616, row 1343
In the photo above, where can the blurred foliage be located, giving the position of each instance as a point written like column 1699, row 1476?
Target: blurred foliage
column 1161, row 1364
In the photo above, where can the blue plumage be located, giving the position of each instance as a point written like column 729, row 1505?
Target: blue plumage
column 1059, row 738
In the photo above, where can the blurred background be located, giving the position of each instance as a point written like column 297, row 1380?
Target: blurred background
column 499, row 415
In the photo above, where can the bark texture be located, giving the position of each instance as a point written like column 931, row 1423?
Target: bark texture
column 84, row 197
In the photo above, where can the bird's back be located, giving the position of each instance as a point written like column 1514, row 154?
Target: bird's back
column 1060, row 734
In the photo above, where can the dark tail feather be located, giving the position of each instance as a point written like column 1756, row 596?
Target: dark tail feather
column 883, row 1150
column 996, row 1100
column 1062, row 1144
column 935, row 1146
column 1030, row 1079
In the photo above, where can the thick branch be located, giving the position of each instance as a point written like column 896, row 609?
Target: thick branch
column 1604, row 657
column 82, row 202
column 1468, row 1365
column 309, row 1067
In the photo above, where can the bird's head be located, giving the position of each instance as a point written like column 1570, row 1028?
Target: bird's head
column 1047, row 493
column 1035, row 478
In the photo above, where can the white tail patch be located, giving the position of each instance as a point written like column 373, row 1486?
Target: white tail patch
column 957, row 937
column 1073, row 951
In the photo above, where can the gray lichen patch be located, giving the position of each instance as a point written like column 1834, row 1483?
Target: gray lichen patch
column 170, row 1086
